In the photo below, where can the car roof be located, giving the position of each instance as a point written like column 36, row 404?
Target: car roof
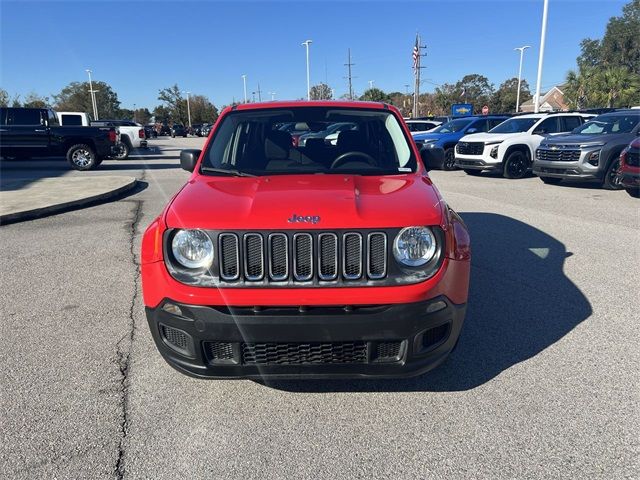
column 313, row 103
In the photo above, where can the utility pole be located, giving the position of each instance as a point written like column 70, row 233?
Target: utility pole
column 522, row 49
column 417, row 60
column 244, row 83
column 543, row 35
column 188, row 108
column 259, row 93
column 306, row 43
column 349, row 65
column 93, row 96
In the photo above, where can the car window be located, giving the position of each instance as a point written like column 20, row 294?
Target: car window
column 254, row 142
column 25, row 116
column 480, row 125
column 3, row 116
column 515, row 125
column 548, row 126
column 603, row 124
column 453, row 126
column 571, row 122
column 53, row 119
column 71, row 120
column 493, row 122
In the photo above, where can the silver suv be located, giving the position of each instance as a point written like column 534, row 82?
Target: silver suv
column 590, row 152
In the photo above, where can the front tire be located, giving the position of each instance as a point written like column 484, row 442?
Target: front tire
column 516, row 165
column 612, row 180
column 82, row 157
column 551, row 180
column 449, row 162
column 472, row 172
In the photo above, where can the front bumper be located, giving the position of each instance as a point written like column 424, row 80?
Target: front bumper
column 477, row 163
column 384, row 341
column 630, row 177
column 566, row 170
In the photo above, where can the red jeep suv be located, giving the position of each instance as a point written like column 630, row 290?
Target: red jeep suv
column 320, row 260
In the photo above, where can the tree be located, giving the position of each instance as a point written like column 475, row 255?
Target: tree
column 142, row 115
column 375, row 95
column 162, row 114
column 322, row 91
column 202, row 109
column 504, row 99
column 4, row 98
column 615, row 87
column 75, row 97
column 445, row 96
column 33, row 100
column 175, row 103
column 475, row 89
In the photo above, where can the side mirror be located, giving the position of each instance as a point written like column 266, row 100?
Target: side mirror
column 432, row 157
column 189, row 159
column 472, row 130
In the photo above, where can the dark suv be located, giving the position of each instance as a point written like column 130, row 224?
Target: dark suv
column 590, row 152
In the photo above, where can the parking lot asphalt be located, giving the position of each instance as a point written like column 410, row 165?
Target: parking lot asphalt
column 544, row 382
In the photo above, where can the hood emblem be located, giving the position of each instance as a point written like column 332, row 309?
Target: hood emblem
column 304, row 219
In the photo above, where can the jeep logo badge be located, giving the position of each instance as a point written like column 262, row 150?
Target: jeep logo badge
column 304, row 219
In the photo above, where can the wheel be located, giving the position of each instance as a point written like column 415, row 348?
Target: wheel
column 185, row 136
column 173, row 135
column 516, row 165
column 612, row 180
column 449, row 160
column 551, row 180
column 634, row 192
column 472, row 172
column 123, row 151
column 81, row 157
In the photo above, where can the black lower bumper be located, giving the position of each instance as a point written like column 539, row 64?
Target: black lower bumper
column 384, row 341
column 467, row 164
column 630, row 179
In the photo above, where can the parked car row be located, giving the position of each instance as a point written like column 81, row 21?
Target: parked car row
column 554, row 146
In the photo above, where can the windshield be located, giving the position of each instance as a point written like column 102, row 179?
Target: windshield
column 453, row 125
column 515, row 125
column 255, row 142
column 609, row 124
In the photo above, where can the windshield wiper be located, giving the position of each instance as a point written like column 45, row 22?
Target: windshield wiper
column 225, row 171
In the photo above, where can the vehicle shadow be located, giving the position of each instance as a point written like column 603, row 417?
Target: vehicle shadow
column 520, row 303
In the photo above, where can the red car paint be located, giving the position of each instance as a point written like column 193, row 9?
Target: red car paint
column 630, row 168
column 343, row 201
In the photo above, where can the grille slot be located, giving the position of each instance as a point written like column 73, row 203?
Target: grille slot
column 175, row 337
column 220, row 351
column 388, row 351
column 470, row 148
column 633, row 157
column 560, row 155
column 352, row 256
column 229, row 256
column 278, row 256
column 302, row 257
column 303, row 353
column 254, row 257
column 377, row 255
column 328, row 256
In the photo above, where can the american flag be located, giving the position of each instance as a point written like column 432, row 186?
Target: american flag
column 416, row 54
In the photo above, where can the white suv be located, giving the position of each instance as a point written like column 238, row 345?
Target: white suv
column 510, row 147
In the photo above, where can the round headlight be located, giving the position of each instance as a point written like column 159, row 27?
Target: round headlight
column 192, row 248
column 414, row 246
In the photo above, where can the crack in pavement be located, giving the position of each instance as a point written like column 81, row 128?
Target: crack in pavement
column 124, row 346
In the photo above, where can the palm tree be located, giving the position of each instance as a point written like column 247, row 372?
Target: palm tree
column 615, row 86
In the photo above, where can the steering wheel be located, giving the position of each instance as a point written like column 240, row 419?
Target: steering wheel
column 350, row 156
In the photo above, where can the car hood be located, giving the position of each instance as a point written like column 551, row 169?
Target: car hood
column 584, row 139
column 340, row 201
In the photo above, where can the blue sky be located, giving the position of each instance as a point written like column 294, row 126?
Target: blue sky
column 205, row 46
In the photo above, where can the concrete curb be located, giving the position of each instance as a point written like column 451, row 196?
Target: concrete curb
column 31, row 214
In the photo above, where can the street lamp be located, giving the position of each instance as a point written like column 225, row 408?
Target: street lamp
column 522, row 49
column 188, row 108
column 273, row 96
column 306, row 43
column 93, row 96
column 543, row 35
column 244, row 82
column 134, row 113
column 370, row 84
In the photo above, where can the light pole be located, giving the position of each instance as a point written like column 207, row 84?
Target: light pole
column 134, row 113
column 244, row 82
column 370, row 84
column 522, row 49
column 306, row 43
column 273, row 96
column 543, row 35
column 93, row 96
column 188, row 108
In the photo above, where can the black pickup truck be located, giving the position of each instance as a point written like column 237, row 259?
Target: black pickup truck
column 36, row 132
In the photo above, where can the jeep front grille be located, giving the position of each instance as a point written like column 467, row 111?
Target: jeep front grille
column 258, row 257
